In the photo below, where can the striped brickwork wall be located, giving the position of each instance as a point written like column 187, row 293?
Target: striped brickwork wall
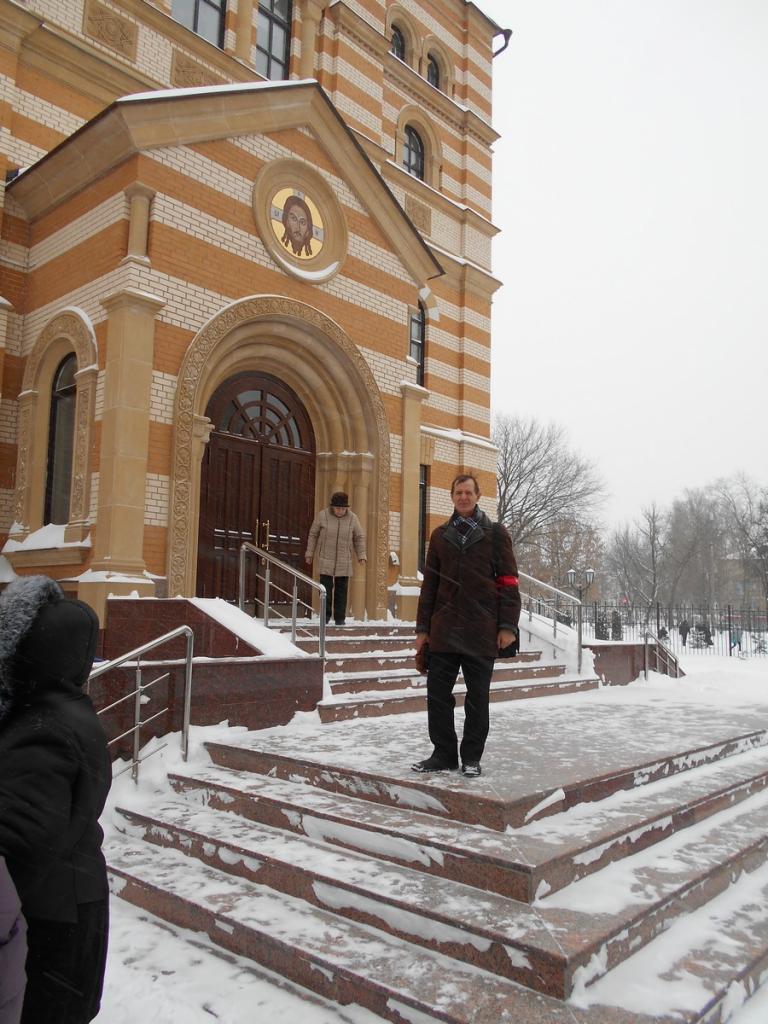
column 204, row 250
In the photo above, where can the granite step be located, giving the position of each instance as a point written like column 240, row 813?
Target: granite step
column 337, row 958
column 490, row 931
column 548, row 947
column 362, row 673
column 702, row 967
column 410, row 695
column 538, row 858
column 494, row 804
column 358, row 644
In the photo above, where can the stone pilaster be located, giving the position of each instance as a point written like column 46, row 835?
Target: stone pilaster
column 413, row 396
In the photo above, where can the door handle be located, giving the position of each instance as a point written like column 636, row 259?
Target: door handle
column 265, row 524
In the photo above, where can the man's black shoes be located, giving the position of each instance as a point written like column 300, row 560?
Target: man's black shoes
column 471, row 769
column 433, row 764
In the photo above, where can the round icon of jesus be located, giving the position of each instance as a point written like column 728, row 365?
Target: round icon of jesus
column 297, row 223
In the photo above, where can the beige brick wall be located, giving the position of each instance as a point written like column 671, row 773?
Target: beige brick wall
column 156, row 500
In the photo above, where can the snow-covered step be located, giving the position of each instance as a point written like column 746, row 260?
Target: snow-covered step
column 564, row 847
column 496, row 801
column 363, row 673
column 548, row 853
column 629, row 902
column 701, row 968
column 337, row 958
column 448, row 849
column 548, row 947
column 490, row 931
column 411, row 696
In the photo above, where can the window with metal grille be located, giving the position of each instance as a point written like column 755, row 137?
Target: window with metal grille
column 204, row 17
column 413, row 153
column 61, row 437
column 260, row 415
column 273, row 39
column 397, row 43
column 417, row 338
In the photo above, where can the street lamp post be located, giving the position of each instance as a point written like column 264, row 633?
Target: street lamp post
column 585, row 581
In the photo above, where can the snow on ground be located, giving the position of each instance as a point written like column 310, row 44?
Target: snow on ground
column 161, row 973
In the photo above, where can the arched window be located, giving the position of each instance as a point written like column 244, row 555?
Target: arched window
column 273, row 39
column 204, row 17
column 417, row 338
column 413, row 153
column 61, row 438
column 397, row 43
column 433, row 71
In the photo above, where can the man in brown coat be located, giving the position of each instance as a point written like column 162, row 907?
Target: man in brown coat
column 469, row 608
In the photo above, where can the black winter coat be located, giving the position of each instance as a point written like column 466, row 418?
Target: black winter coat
column 460, row 605
column 13, row 950
column 55, row 770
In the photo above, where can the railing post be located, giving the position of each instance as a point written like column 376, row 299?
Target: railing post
column 267, row 577
column 241, row 581
column 187, row 697
column 294, row 608
column 323, row 599
column 136, row 723
column 645, row 654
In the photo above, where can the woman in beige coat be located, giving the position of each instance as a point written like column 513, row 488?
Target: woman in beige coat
column 336, row 535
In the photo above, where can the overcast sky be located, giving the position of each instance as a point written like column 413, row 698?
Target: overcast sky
column 631, row 187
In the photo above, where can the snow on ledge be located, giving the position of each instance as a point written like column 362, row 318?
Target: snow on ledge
column 47, row 537
column 271, row 643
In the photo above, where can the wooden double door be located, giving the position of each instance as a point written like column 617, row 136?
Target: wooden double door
column 257, row 485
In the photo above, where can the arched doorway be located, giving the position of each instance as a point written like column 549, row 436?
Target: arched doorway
column 257, row 480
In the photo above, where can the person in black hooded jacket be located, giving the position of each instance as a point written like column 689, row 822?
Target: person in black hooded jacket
column 55, row 774
column 13, row 950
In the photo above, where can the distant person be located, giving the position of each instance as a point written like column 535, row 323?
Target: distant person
column 469, row 608
column 736, row 635
column 13, row 950
column 335, row 537
column 55, row 774
column 684, row 629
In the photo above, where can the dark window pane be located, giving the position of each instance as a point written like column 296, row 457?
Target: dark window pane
column 397, row 45
column 413, row 153
column 273, row 39
column 417, row 339
column 61, row 438
column 433, row 72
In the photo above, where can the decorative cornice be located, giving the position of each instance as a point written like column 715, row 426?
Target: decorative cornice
column 361, row 31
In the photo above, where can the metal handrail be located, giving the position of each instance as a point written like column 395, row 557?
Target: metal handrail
column 270, row 560
column 141, row 688
column 569, row 598
column 671, row 660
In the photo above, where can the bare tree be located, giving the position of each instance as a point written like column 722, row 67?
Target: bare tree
column 636, row 558
column 746, row 507
column 546, row 490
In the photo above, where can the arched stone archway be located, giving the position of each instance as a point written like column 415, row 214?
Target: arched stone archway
column 313, row 356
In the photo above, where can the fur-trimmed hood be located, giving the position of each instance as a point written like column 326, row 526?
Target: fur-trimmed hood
column 45, row 638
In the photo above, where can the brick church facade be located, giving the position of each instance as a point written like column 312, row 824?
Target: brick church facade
column 246, row 261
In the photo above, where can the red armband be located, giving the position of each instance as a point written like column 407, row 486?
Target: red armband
column 507, row 581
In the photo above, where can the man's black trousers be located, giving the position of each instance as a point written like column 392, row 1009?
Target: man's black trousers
column 335, row 597
column 441, row 679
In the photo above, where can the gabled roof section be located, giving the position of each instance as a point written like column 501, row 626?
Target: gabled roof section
column 168, row 117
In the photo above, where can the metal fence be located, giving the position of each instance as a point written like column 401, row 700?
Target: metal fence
column 690, row 629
